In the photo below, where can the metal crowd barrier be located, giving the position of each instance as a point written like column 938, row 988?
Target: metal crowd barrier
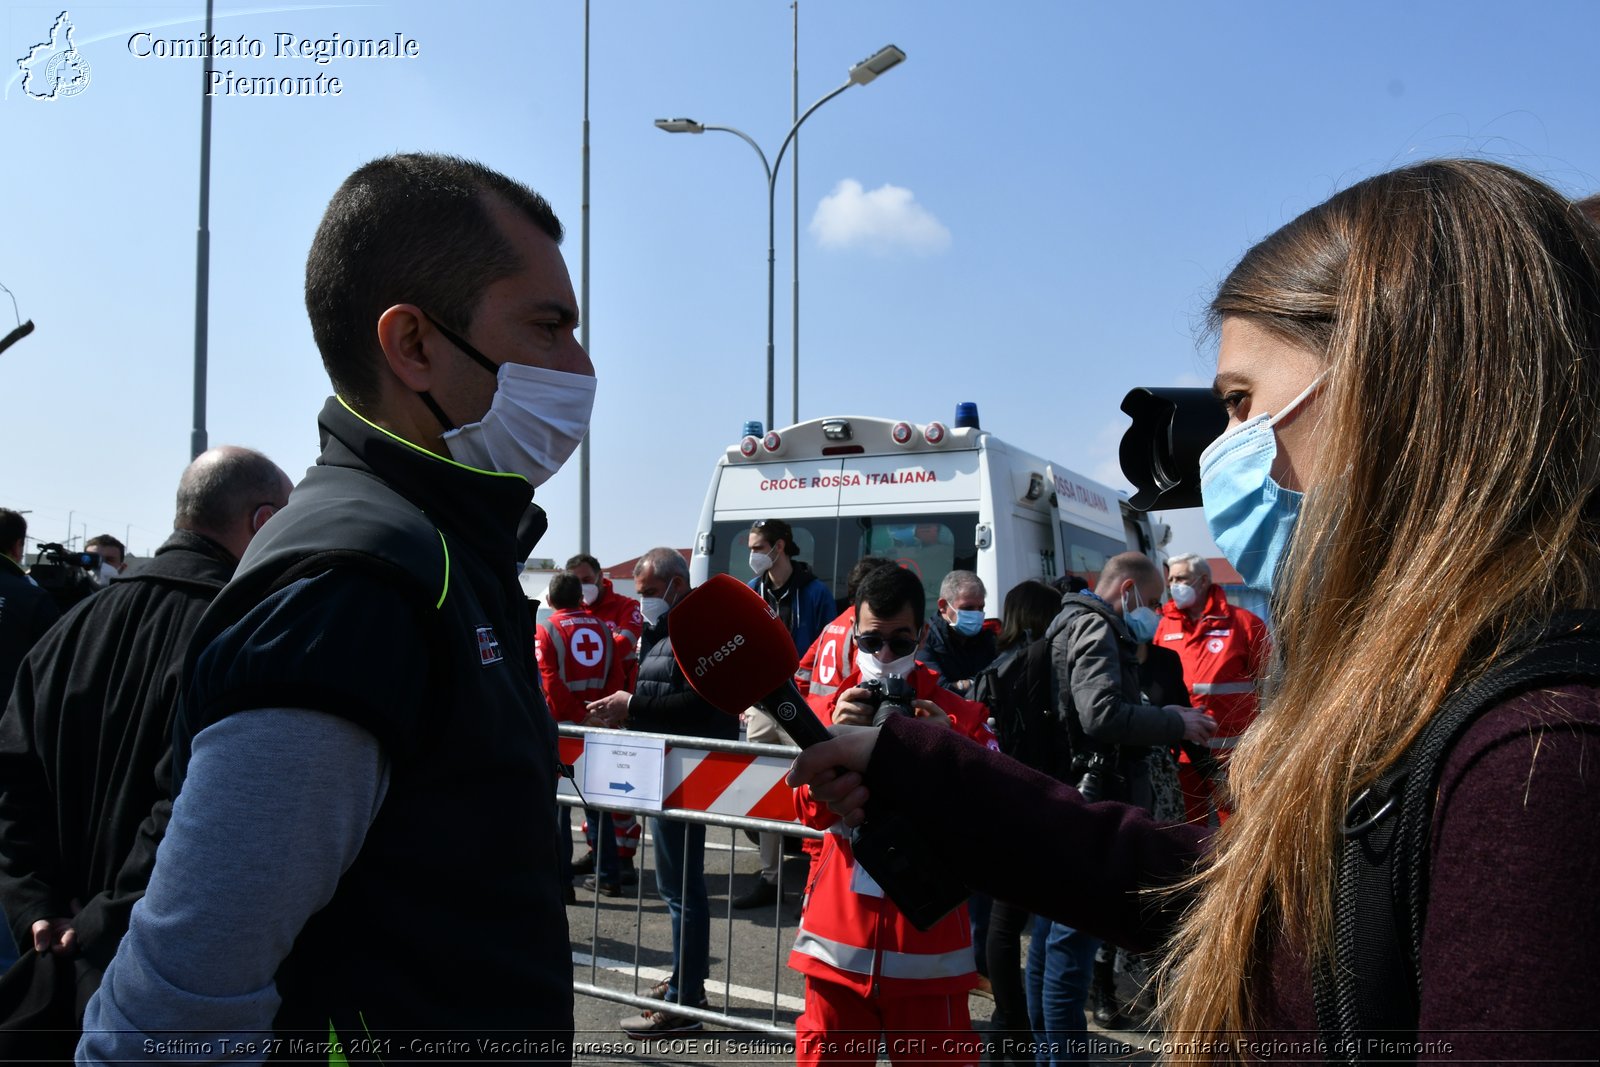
column 705, row 775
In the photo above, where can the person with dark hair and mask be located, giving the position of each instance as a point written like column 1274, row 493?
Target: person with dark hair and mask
column 362, row 724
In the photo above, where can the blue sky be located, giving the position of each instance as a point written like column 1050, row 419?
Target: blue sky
column 1029, row 213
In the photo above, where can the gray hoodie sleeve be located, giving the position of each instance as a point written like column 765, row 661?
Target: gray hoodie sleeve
column 1088, row 664
column 274, row 810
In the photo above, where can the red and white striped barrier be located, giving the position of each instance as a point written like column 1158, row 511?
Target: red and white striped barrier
column 724, row 783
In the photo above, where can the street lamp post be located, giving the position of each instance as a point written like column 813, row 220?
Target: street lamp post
column 863, row 72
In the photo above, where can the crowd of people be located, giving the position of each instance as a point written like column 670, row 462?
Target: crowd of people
column 1106, row 709
column 309, row 689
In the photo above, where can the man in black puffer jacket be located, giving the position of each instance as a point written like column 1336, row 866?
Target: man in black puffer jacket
column 663, row 703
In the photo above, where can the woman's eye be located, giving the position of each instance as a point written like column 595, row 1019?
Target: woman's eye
column 1231, row 402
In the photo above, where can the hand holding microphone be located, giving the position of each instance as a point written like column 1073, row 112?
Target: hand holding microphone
column 735, row 652
column 835, row 771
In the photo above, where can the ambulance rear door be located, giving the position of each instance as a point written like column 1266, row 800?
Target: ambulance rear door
column 804, row 492
column 1088, row 519
column 920, row 509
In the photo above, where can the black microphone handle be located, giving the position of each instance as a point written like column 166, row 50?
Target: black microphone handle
column 794, row 715
column 888, row 846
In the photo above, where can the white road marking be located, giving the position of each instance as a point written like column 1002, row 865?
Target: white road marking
column 651, row 975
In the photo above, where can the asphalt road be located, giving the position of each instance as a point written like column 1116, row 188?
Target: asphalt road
column 623, row 945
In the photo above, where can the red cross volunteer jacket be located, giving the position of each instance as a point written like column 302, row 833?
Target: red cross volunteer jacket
column 850, row 933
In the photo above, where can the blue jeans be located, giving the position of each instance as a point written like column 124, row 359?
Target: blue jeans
column 601, row 833
column 1060, row 966
column 681, row 880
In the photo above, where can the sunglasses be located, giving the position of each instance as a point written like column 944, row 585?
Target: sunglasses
column 871, row 644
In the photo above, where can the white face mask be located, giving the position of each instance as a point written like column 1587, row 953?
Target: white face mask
column 107, row 572
column 1183, row 595
column 653, row 607
column 871, row 666
column 760, row 562
column 533, row 425
column 591, row 593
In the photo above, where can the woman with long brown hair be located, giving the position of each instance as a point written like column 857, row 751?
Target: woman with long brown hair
column 1412, row 376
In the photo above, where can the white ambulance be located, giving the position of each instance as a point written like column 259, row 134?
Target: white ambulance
column 935, row 498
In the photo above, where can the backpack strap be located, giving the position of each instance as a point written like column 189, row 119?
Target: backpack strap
column 1372, row 988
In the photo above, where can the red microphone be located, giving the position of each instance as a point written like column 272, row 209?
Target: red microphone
column 735, row 652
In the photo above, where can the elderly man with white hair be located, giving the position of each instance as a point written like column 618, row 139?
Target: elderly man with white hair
column 1223, row 649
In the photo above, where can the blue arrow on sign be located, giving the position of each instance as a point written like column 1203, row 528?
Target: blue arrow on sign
column 625, row 787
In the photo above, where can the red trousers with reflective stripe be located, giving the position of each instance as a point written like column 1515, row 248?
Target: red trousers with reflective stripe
column 839, row 1026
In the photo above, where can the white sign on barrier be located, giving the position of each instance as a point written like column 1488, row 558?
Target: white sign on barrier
column 624, row 772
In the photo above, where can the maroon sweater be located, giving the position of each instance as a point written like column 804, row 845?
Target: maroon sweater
column 1511, row 940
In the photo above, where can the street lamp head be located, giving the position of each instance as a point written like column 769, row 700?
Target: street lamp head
column 680, row 126
column 883, row 59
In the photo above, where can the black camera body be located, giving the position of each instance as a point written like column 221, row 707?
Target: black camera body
column 1097, row 777
column 890, row 697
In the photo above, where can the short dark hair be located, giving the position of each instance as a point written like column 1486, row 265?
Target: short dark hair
column 104, row 539
column 583, row 559
column 223, row 486
column 565, row 591
column 412, row 228
column 13, row 527
column 887, row 590
column 864, row 566
column 777, row 530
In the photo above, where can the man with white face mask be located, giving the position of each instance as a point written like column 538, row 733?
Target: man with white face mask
column 867, row 968
column 113, row 556
column 1224, row 649
column 362, row 727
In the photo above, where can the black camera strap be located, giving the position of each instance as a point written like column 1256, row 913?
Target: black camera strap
column 1371, row 989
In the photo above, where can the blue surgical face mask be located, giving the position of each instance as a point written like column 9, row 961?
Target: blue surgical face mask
column 1250, row 515
column 1141, row 619
column 969, row 622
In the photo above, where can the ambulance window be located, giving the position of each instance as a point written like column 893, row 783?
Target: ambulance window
column 929, row 545
column 1087, row 552
column 815, row 538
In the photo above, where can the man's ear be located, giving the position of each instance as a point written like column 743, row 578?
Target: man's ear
column 403, row 334
column 943, row 604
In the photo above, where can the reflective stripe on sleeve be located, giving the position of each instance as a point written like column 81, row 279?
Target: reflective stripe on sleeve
column 1222, row 688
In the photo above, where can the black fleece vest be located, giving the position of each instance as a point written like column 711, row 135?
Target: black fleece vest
column 451, row 922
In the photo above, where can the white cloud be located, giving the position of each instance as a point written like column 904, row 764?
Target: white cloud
column 885, row 220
